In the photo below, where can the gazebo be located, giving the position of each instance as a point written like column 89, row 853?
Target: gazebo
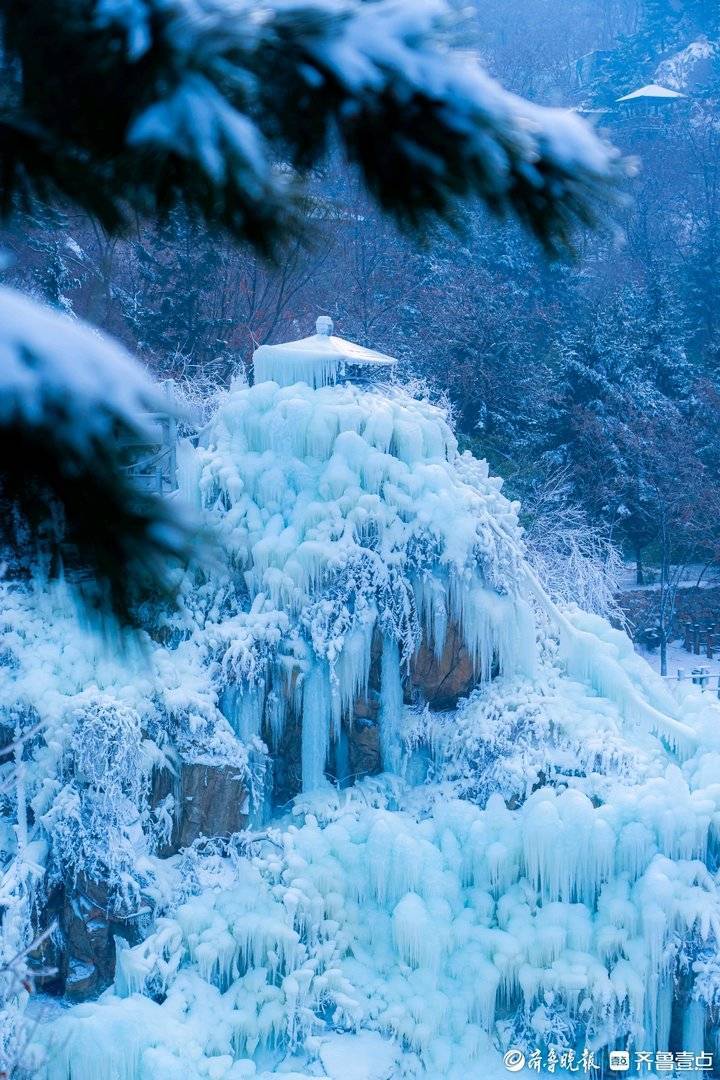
column 320, row 360
column 650, row 98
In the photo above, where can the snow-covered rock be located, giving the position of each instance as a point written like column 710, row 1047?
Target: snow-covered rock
column 694, row 68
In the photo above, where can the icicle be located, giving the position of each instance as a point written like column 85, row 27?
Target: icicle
column 352, row 670
column 289, row 365
column 20, row 788
column 243, row 708
column 316, row 715
column 414, row 934
column 391, row 705
column 663, row 1020
column 276, row 709
column 432, row 604
column 342, row 759
column 486, row 979
column 693, row 1029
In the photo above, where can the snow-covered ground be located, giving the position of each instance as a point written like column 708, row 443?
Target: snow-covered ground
column 694, row 575
column 680, row 660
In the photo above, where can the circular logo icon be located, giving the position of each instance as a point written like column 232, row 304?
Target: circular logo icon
column 514, row 1060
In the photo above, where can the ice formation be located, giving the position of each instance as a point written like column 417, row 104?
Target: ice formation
column 351, row 512
column 319, row 360
column 550, row 882
column 560, row 921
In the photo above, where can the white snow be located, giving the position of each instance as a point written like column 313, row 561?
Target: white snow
column 652, row 90
column 197, row 122
column 318, row 360
column 681, row 69
column 56, row 372
column 363, row 1056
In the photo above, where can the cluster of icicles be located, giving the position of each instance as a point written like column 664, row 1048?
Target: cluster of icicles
column 429, row 932
column 348, row 514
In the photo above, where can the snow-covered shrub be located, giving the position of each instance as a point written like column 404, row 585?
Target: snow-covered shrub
column 513, row 737
column 576, row 560
column 95, row 820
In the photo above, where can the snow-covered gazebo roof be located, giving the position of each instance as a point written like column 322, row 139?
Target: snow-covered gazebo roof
column 319, row 360
column 652, row 92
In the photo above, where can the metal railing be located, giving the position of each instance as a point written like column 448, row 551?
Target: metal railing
column 153, row 464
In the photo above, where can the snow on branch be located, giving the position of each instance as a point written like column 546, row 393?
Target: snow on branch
column 68, row 396
column 57, row 372
column 203, row 99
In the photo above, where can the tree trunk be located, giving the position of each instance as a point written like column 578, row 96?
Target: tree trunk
column 664, row 621
column 639, row 572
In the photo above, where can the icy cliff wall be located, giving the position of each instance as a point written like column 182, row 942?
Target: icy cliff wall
column 352, row 513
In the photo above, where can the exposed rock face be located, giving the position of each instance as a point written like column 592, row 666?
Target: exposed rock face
column 439, row 681
column 443, row 680
column 286, row 763
column 364, row 749
column 90, row 933
column 82, row 949
column 210, row 800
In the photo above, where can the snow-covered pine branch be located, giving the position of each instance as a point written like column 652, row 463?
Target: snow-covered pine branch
column 201, row 99
column 67, row 397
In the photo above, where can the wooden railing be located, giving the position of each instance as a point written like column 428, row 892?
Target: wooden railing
column 699, row 676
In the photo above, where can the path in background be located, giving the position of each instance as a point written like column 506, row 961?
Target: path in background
column 688, row 580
